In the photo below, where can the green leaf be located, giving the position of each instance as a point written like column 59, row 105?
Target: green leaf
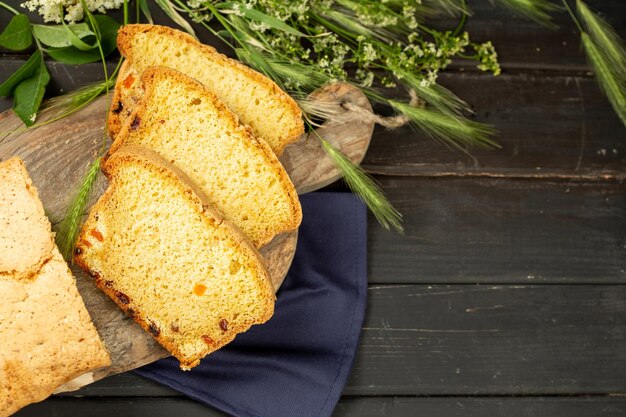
column 29, row 93
column 76, row 41
column 17, row 35
column 74, row 56
column 56, row 36
column 107, row 29
column 22, row 73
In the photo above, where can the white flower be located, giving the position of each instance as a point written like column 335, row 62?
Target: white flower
column 366, row 77
column 259, row 26
column 431, row 78
column 369, row 52
column 237, row 10
column 72, row 9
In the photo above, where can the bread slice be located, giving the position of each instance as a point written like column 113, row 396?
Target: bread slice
column 189, row 126
column 154, row 245
column 258, row 101
column 46, row 335
column 21, row 215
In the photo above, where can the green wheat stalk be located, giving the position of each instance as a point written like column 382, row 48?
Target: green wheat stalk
column 536, row 10
column 365, row 187
column 604, row 36
column 606, row 53
column 69, row 228
column 610, row 79
column 451, row 129
column 68, row 104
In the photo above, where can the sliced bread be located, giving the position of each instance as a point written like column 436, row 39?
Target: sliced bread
column 258, row 101
column 46, row 335
column 190, row 127
column 154, row 245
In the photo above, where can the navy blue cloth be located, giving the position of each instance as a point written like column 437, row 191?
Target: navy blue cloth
column 297, row 363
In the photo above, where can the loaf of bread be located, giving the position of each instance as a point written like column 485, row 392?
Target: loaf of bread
column 254, row 98
column 190, row 127
column 46, row 335
column 156, row 247
column 21, row 215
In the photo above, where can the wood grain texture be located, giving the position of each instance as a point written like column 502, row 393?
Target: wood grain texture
column 548, row 127
column 347, row 407
column 58, row 154
column 489, row 230
column 489, row 340
column 421, row 340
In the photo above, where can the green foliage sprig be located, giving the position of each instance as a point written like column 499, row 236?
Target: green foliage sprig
column 68, row 44
column 303, row 44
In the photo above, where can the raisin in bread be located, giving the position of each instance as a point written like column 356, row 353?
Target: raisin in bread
column 46, row 335
column 258, row 101
column 190, row 127
column 154, row 245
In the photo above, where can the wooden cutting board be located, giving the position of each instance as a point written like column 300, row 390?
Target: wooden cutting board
column 58, row 154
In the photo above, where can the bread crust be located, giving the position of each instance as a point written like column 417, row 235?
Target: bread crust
column 46, row 335
column 124, row 44
column 151, row 160
column 117, row 107
column 150, row 78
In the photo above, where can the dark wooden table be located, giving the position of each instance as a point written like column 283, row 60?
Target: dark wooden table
column 506, row 296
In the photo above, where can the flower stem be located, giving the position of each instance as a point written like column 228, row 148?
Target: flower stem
column 9, row 8
column 461, row 24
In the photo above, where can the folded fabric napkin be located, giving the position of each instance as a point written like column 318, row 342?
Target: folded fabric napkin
column 297, row 363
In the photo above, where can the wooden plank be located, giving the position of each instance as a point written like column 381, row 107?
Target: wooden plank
column 119, row 407
column 481, row 407
column 475, row 340
column 501, row 231
column 492, row 340
column 548, row 126
column 347, row 407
